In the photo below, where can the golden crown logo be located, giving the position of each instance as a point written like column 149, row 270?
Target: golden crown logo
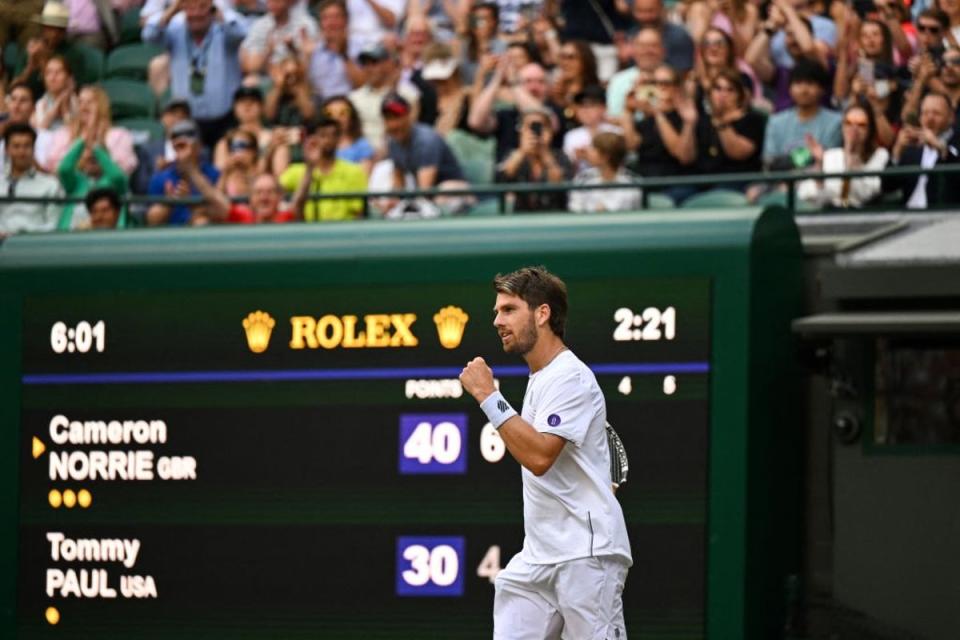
column 450, row 322
column 258, row 326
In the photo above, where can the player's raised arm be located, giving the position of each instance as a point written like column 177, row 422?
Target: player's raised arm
column 534, row 450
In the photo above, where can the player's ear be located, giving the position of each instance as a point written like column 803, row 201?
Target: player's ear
column 543, row 314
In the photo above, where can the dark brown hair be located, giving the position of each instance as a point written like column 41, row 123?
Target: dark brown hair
column 537, row 286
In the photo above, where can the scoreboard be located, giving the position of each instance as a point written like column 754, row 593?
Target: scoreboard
column 261, row 434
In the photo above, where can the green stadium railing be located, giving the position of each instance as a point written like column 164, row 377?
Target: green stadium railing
column 648, row 185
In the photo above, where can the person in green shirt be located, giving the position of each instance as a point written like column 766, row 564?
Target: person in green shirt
column 322, row 172
column 87, row 166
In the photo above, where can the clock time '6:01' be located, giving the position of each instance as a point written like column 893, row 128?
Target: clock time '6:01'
column 78, row 339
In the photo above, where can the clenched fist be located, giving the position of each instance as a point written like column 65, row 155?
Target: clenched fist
column 477, row 379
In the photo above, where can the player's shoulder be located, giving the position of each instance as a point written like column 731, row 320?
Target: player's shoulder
column 570, row 371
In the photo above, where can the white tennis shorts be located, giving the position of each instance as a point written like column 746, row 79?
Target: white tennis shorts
column 575, row 600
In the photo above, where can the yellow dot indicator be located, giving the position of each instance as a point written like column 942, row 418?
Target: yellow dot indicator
column 55, row 498
column 69, row 498
column 52, row 615
column 84, row 498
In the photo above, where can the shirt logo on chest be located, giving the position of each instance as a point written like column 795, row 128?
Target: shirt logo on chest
column 553, row 420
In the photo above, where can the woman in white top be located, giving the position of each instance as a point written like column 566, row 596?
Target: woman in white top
column 860, row 152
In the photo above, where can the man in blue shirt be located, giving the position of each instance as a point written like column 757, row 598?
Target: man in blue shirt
column 204, row 45
column 180, row 179
column 785, row 143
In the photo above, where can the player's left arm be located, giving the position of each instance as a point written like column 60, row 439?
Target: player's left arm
column 534, row 450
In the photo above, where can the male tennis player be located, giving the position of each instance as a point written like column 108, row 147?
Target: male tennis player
column 569, row 576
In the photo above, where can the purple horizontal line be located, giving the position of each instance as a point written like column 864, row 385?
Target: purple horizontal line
column 278, row 375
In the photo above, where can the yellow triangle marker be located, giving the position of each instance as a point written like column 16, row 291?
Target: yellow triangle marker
column 38, row 447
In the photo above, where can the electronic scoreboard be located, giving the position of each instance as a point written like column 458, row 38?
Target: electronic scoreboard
column 262, row 435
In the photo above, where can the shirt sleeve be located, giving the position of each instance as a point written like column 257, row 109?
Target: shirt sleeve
column 566, row 410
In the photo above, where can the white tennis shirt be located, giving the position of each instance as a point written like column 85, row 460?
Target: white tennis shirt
column 570, row 512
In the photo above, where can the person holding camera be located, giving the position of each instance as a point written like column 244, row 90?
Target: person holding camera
column 730, row 138
column 867, row 72
column 204, row 48
column 279, row 34
column 535, row 160
column 930, row 141
column 664, row 141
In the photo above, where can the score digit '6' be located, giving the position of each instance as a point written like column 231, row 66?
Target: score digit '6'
column 492, row 446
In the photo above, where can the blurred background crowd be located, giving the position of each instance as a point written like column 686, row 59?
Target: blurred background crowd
column 250, row 107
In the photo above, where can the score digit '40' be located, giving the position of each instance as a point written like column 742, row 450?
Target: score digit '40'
column 434, row 443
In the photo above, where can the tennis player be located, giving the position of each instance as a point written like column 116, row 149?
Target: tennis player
column 567, row 580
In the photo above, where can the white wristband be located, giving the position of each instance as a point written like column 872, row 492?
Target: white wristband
column 497, row 408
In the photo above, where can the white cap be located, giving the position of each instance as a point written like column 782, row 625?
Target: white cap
column 439, row 69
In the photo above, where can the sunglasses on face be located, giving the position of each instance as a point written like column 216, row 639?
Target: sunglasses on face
column 928, row 28
column 714, row 42
column 663, row 82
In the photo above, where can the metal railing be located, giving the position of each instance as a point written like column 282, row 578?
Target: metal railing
column 502, row 190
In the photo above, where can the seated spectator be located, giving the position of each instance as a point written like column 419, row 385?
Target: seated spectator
column 321, row 172
column 859, row 152
column 676, row 42
column 187, row 176
column 52, row 41
column 59, row 102
column 664, row 141
column 93, row 110
column 280, row 34
column 738, row 19
column 590, row 111
column 717, row 52
column 786, row 35
column 417, row 36
column 531, row 92
column 21, row 179
column 371, row 22
column 606, row 155
column 273, row 144
column 648, row 54
column 103, row 206
column 453, row 99
column 380, row 67
column 930, row 142
column 730, row 140
column 941, row 77
column 265, row 204
column 541, row 36
column 87, row 166
column 439, row 14
column 576, row 70
column 535, row 160
column 931, row 26
column 418, row 152
column 203, row 43
column 332, row 72
column 242, row 164
column 785, row 141
column 155, row 155
column 479, row 38
column 515, row 17
column 353, row 147
column 290, row 101
column 600, row 24
column 872, row 76
column 18, row 109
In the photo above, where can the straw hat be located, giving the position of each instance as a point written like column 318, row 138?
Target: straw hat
column 55, row 14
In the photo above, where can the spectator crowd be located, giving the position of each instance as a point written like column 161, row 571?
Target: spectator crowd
column 263, row 105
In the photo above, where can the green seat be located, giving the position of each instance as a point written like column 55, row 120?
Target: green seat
column 130, row 26
column 715, row 198
column 474, row 154
column 143, row 129
column 131, row 61
column 660, row 201
column 129, row 98
column 92, row 58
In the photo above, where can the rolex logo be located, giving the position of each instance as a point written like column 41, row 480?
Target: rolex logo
column 258, row 326
column 450, row 322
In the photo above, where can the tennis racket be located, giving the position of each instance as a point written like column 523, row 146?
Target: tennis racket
column 619, row 464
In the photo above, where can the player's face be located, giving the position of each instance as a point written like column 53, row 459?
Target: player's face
column 515, row 323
